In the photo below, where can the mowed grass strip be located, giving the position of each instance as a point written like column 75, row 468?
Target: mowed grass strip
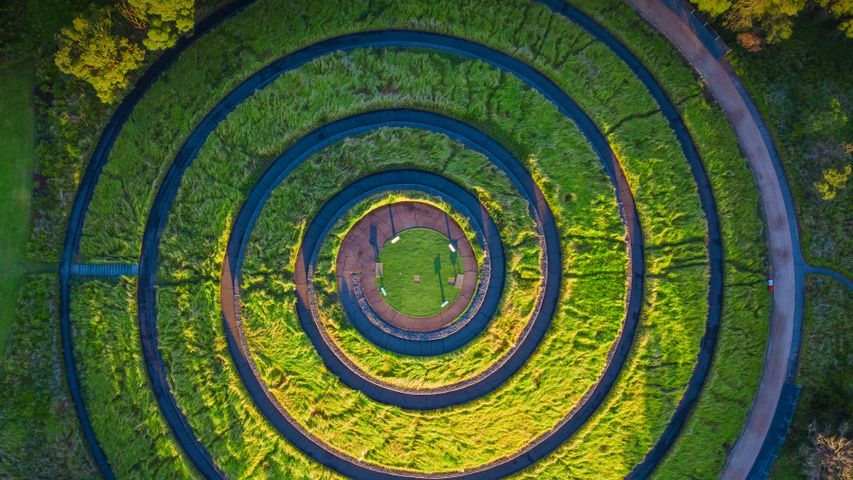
column 39, row 428
column 17, row 154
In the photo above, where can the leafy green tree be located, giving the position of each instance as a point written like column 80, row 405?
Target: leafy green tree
column 843, row 10
column 714, row 8
column 90, row 51
column 773, row 19
column 162, row 20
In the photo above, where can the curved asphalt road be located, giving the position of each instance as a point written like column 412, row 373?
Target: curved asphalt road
column 785, row 253
column 102, row 151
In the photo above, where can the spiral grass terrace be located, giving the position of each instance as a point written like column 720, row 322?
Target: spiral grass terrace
column 235, row 438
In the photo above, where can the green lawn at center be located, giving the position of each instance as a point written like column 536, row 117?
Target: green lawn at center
column 425, row 253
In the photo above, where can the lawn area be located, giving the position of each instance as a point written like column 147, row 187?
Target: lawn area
column 416, row 265
column 17, row 124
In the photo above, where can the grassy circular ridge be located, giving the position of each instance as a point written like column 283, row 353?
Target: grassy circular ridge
column 705, row 123
column 427, row 441
column 390, row 148
column 586, row 173
column 415, row 266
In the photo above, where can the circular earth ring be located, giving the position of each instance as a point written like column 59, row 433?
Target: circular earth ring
column 479, row 313
column 361, row 248
column 312, row 239
column 168, row 190
column 101, row 154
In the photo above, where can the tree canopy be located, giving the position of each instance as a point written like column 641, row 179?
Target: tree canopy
column 105, row 46
column 90, row 51
column 773, row 19
column 162, row 20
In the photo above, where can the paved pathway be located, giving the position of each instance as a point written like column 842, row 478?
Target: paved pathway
column 786, row 259
column 104, row 269
column 357, row 255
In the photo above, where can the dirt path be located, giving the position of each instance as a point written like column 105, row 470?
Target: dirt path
column 780, row 219
column 357, row 255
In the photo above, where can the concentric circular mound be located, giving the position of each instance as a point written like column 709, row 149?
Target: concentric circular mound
column 564, row 197
column 413, row 265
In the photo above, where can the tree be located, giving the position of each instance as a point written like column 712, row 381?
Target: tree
column 830, row 455
column 773, row 19
column 843, row 10
column 163, row 20
column 90, row 51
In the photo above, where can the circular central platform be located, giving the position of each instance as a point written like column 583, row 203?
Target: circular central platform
column 414, row 264
column 419, row 272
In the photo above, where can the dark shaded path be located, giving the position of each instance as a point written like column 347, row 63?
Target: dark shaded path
column 816, row 270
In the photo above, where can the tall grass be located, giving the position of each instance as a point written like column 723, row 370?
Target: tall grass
column 121, row 405
column 675, row 309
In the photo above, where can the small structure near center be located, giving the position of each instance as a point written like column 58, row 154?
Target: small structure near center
column 456, row 281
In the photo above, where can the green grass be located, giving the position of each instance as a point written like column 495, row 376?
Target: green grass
column 121, row 404
column 17, row 123
column 826, row 398
column 415, row 272
column 665, row 350
column 593, row 239
column 549, row 166
column 388, row 149
column 39, row 433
